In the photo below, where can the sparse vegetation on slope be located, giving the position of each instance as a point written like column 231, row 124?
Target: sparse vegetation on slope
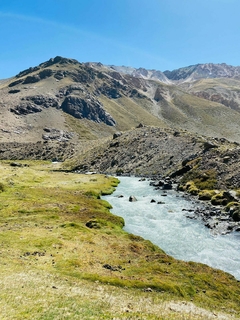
column 92, row 101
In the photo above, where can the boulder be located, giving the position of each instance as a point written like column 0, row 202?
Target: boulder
column 132, row 199
column 181, row 171
column 226, row 159
column 209, row 145
column 167, row 186
column 117, row 134
column 158, row 183
column 93, row 224
column 236, row 215
column 59, row 75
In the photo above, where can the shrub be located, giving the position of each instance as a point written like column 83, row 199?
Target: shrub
column 203, row 179
column 232, row 204
column 206, row 194
column 219, row 199
column 193, row 190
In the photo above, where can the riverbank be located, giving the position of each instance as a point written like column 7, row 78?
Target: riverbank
column 217, row 218
column 205, row 168
column 64, row 255
column 162, row 216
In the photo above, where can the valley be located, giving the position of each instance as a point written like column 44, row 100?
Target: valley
column 63, row 119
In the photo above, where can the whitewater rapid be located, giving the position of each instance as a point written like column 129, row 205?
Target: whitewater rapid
column 167, row 226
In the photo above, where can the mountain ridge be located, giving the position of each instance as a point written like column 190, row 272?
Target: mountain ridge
column 69, row 96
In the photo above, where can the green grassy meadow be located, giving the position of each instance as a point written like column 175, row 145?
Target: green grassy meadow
column 63, row 255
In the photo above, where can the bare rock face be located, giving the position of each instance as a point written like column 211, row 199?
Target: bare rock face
column 25, row 108
column 158, row 95
column 90, row 109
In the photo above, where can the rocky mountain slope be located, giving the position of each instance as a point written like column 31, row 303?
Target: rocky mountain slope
column 203, row 71
column 205, row 168
column 67, row 101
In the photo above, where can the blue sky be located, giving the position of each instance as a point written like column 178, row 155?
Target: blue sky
column 154, row 34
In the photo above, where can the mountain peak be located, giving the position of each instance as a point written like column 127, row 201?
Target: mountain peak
column 205, row 70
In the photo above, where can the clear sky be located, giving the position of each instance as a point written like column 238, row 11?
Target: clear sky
column 154, row 34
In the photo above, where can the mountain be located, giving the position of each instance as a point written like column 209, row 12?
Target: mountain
column 202, row 71
column 143, row 73
column 67, row 101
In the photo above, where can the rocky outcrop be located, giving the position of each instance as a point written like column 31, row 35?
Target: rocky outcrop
column 44, row 101
column 88, row 108
column 27, row 71
column 25, row 108
column 33, row 104
column 58, row 135
column 59, row 75
column 58, row 60
column 158, row 95
column 46, row 73
column 13, row 91
column 31, row 79
column 110, row 92
column 15, row 83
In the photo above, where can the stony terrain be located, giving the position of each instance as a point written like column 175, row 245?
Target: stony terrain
column 206, row 169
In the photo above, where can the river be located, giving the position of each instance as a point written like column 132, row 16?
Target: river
column 167, row 226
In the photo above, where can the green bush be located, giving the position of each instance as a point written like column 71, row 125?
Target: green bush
column 219, row 199
column 232, row 204
column 202, row 179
